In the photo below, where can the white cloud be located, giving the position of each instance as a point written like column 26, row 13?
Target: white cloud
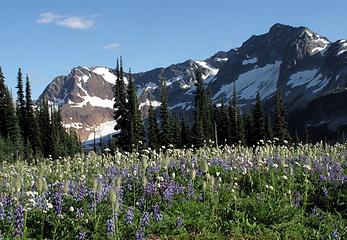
column 48, row 17
column 73, row 22
column 76, row 23
column 111, row 46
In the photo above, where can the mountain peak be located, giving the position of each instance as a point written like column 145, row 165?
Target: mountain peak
column 280, row 27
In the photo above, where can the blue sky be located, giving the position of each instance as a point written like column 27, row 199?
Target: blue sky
column 47, row 38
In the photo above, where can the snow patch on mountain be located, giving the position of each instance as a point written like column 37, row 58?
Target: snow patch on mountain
column 221, row 59
column 249, row 61
column 75, row 125
column 148, row 103
column 262, row 80
column 301, row 78
column 212, row 71
column 182, row 106
column 342, row 48
column 93, row 101
column 309, row 77
column 106, row 74
column 103, row 129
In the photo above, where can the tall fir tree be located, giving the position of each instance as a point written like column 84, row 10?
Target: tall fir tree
column 203, row 126
column 135, row 126
column 31, row 124
column 236, row 132
column 8, row 124
column 280, row 123
column 45, row 128
column 185, row 133
column 248, row 126
column 176, row 131
column 224, row 127
column 268, row 128
column 21, row 105
column 258, row 121
column 119, row 107
column 165, row 131
column 152, row 129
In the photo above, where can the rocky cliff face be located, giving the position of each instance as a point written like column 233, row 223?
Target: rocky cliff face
column 295, row 60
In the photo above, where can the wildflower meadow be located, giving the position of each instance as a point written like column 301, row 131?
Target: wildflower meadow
column 231, row 192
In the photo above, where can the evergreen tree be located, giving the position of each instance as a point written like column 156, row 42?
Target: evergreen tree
column 236, row 130
column 152, row 129
column 176, row 133
column 268, row 128
column 280, row 124
column 31, row 124
column 135, row 125
column 21, row 105
column 7, row 113
column 119, row 107
column 224, row 127
column 45, row 129
column 203, row 126
column 166, row 133
column 184, row 133
column 258, row 121
column 248, row 125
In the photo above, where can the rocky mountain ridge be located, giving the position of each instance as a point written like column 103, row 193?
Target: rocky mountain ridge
column 294, row 60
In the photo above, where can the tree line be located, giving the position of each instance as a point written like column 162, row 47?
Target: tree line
column 219, row 124
column 29, row 131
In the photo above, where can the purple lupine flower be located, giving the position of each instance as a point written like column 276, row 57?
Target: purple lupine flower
column 190, row 189
column 109, row 226
column 129, row 217
column 156, row 213
column 150, row 189
column 19, row 232
column 314, row 211
column 142, row 203
column 335, row 234
column 140, row 234
column 297, row 199
column 145, row 219
column 2, row 212
column 79, row 213
column 179, row 222
column 58, row 201
column 82, row 235
column 325, row 191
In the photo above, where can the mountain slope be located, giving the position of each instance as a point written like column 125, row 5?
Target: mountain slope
column 295, row 60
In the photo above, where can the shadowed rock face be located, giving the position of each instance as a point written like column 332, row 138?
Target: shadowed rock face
column 295, row 60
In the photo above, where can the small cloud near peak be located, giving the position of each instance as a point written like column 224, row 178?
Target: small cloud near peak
column 72, row 22
column 111, row 46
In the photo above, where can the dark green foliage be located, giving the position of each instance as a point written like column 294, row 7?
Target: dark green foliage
column 21, row 104
column 203, row 126
column 152, row 129
column 176, row 132
column 236, row 128
column 119, row 106
column 268, row 128
column 45, row 129
column 280, row 123
column 258, row 132
column 248, row 123
column 56, row 141
column 135, row 128
column 166, row 131
column 185, row 133
column 8, row 124
column 224, row 128
column 31, row 125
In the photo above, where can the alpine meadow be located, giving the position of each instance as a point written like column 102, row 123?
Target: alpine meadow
column 239, row 136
